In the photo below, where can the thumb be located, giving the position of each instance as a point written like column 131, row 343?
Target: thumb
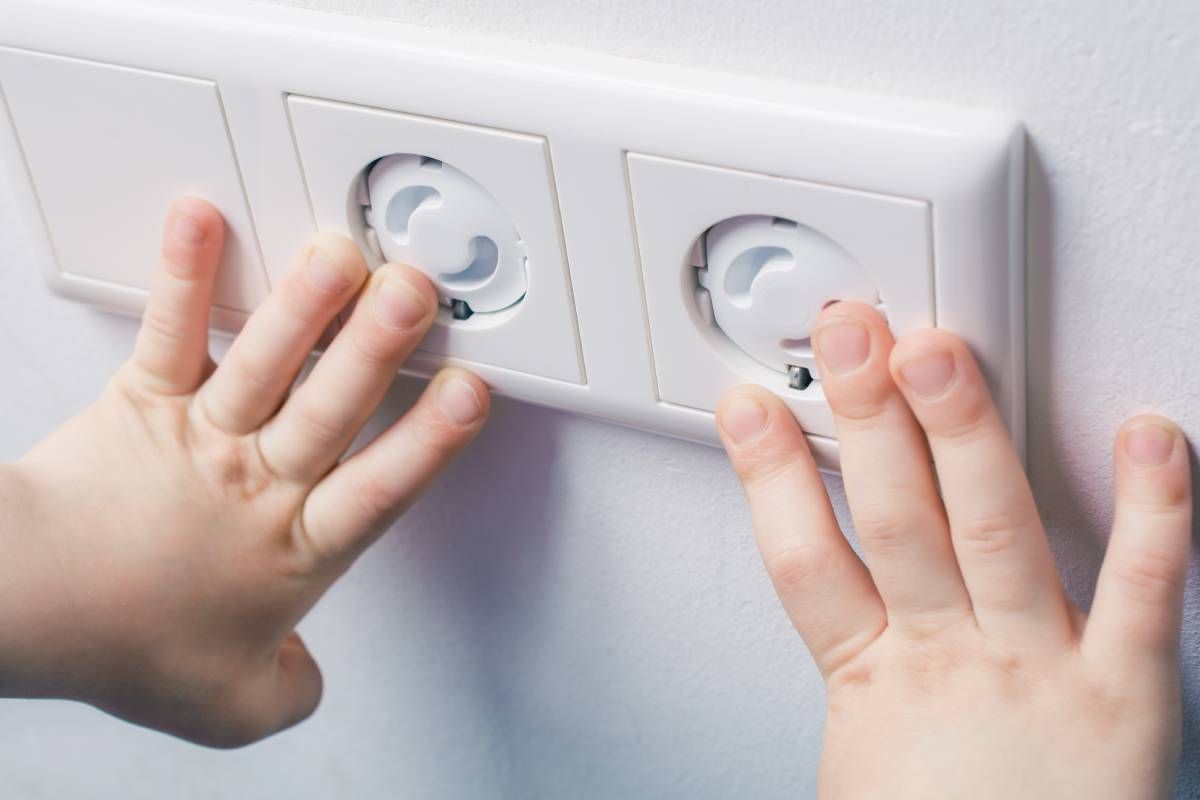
column 285, row 693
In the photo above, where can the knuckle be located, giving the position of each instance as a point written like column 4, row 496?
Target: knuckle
column 436, row 435
column 319, row 426
column 963, row 418
column 130, row 384
column 882, row 527
column 1150, row 577
column 932, row 623
column 306, row 303
column 793, row 568
column 183, row 262
column 861, row 404
column 1163, row 501
column 374, row 347
column 764, row 468
column 374, row 496
column 993, row 533
column 858, row 417
column 234, row 467
column 929, row 664
column 218, row 407
column 229, row 461
column 251, row 375
column 849, row 665
column 164, row 323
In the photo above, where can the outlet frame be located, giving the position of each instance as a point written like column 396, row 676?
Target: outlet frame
column 694, row 361
column 592, row 110
column 336, row 141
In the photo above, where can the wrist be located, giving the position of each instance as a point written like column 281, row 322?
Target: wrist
column 35, row 609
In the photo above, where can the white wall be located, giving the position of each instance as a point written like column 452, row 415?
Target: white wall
column 593, row 620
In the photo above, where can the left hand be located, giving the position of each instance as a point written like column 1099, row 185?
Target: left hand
column 166, row 541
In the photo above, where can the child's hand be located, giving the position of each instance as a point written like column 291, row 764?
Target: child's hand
column 169, row 538
column 957, row 667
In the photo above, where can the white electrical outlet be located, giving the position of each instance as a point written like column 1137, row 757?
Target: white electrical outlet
column 827, row 243
column 620, row 239
column 490, row 187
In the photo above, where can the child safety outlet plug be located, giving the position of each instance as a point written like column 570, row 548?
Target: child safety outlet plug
column 428, row 214
column 767, row 279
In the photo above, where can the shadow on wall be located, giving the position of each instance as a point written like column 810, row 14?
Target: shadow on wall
column 487, row 555
column 1077, row 529
column 1189, row 768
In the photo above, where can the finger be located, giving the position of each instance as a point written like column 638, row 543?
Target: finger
column 997, row 535
column 822, row 584
column 285, row 692
column 897, row 513
column 171, row 353
column 356, row 502
column 322, row 417
column 1137, row 611
column 252, row 379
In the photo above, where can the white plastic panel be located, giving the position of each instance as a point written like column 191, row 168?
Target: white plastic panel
column 676, row 202
column 614, row 165
column 537, row 336
column 106, row 148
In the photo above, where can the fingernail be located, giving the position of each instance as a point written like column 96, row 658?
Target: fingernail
column 185, row 231
column 399, row 304
column 1149, row 444
column 459, row 402
column 323, row 273
column 743, row 419
column 842, row 346
column 929, row 375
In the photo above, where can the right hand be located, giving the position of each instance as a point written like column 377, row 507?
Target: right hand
column 955, row 665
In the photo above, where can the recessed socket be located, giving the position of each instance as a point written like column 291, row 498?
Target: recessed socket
column 415, row 209
column 762, row 281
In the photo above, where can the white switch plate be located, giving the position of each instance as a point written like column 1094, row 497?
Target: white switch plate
column 631, row 158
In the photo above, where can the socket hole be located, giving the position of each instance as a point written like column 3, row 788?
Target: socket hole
column 485, row 259
column 748, row 266
column 404, row 204
column 802, row 347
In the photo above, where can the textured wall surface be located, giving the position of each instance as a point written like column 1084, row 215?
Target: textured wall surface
column 594, row 622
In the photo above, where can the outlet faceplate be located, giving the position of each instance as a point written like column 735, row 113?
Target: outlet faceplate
column 610, row 170
column 887, row 237
column 338, row 142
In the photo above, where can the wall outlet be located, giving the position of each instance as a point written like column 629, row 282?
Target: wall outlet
column 714, row 324
column 619, row 239
column 499, row 188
